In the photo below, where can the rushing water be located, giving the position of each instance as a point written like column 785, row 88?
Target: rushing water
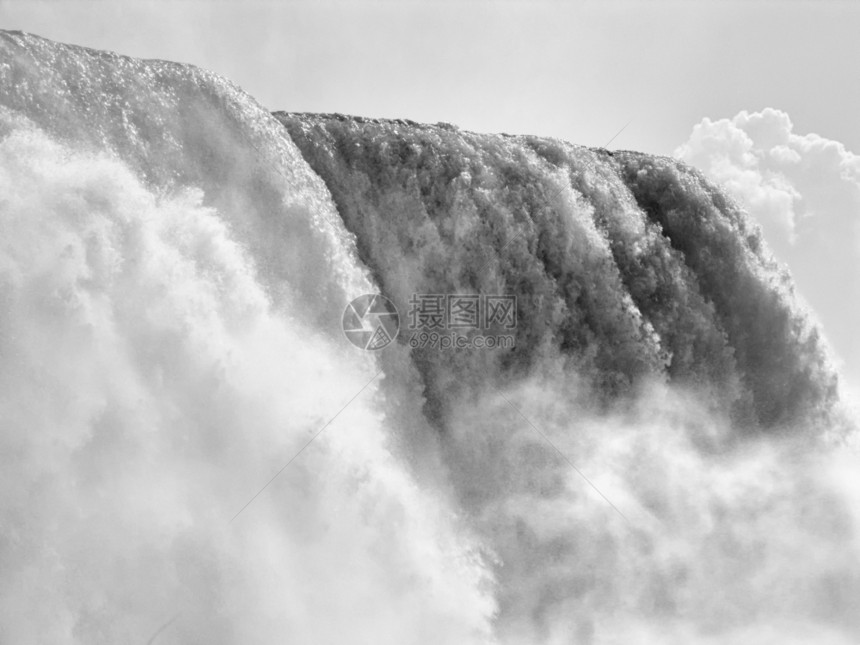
column 661, row 458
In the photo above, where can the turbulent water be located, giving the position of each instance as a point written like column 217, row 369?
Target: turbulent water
column 661, row 456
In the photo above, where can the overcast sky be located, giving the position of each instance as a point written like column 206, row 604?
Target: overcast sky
column 762, row 95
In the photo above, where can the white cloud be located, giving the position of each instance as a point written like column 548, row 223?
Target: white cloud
column 804, row 191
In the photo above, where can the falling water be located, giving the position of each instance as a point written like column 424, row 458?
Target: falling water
column 191, row 450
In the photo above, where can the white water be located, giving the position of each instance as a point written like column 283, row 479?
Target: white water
column 171, row 280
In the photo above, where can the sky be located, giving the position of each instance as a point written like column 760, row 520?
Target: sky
column 763, row 96
column 576, row 70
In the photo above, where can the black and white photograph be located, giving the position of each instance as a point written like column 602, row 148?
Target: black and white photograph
column 429, row 322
